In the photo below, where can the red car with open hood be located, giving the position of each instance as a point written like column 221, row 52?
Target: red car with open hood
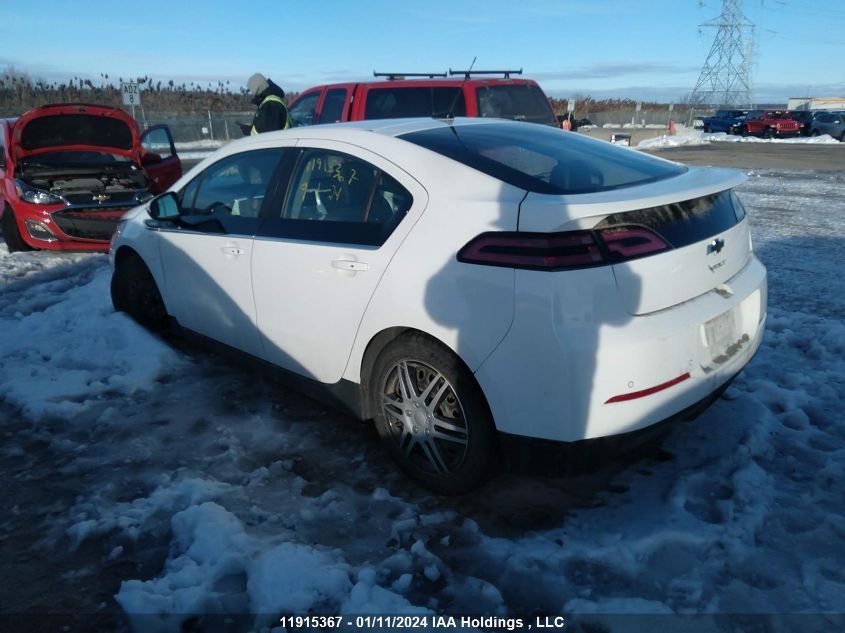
column 68, row 173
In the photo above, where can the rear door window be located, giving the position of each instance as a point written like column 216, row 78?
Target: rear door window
column 337, row 197
column 520, row 102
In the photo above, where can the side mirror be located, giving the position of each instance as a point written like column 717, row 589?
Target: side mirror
column 165, row 206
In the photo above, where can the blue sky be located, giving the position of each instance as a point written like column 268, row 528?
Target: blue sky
column 604, row 48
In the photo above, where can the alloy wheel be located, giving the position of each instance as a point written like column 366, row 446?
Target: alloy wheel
column 425, row 417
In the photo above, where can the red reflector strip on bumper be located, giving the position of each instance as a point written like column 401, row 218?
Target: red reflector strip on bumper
column 647, row 392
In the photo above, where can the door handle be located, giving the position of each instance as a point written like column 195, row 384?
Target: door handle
column 350, row 264
column 233, row 250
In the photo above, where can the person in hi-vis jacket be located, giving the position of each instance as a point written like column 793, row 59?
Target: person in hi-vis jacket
column 272, row 113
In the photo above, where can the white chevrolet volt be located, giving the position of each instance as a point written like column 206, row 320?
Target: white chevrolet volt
column 480, row 288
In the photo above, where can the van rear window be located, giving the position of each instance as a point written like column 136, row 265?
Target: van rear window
column 544, row 159
column 401, row 102
column 520, row 102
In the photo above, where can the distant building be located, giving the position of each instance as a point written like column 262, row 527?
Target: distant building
column 816, row 103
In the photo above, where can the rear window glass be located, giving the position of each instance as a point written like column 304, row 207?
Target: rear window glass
column 687, row 222
column 520, row 102
column 544, row 159
column 76, row 129
column 400, row 102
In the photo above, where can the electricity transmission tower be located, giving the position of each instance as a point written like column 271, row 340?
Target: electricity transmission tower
column 725, row 78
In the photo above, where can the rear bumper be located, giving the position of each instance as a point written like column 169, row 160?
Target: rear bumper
column 574, row 366
column 533, row 456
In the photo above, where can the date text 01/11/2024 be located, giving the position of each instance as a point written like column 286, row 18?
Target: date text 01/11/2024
column 442, row 622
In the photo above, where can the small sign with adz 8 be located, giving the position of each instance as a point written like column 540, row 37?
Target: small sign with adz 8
column 131, row 94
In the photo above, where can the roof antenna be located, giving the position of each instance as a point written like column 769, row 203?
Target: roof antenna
column 450, row 114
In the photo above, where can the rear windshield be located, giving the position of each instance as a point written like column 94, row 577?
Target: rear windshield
column 399, row 102
column 687, row 222
column 521, row 102
column 544, row 159
column 76, row 129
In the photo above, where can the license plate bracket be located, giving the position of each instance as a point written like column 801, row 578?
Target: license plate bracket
column 720, row 332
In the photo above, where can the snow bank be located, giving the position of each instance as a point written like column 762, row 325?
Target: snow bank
column 666, row 140
column 208, row 144
column 215, row 566
column 62, row 350
column 700, row 138
column 95, row 517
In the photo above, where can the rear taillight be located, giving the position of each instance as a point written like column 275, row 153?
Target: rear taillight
column 561, row 251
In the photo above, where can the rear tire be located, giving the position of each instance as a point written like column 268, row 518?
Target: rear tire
column 432, row 416
column 134, row 291
column 11, row 234
column 744, row 131
column 815, row 133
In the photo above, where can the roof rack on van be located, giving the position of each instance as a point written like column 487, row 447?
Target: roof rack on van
column 468, row 73
column 394, row 76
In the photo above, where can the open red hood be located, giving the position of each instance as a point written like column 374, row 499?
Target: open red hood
column 76, row 127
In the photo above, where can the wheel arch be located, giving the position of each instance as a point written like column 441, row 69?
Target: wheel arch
column 123, row 252
column 379, row 342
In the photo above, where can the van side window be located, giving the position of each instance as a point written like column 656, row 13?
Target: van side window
column 333, row 104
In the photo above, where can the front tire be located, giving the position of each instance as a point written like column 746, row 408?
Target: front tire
column 11, row 234
column 432, row 416
column 134, row 291
column 767, row 133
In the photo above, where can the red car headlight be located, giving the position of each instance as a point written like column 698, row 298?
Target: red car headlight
column 34, row 195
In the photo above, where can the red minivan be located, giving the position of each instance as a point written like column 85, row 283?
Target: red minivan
column 68, row 172
column 432, row 96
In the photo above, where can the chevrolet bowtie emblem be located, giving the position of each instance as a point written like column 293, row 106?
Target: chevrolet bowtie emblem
column 716, row 246
column 100, row 197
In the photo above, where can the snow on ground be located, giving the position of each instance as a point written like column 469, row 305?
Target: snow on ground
column 208, row 144
column 205, row 488
column 197, row 150
column 700, row 138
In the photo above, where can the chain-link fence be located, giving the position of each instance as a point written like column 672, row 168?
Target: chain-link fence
column 632, row 118
column 211, row 126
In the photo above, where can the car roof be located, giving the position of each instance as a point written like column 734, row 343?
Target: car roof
column 385, row 127
column 416, row 82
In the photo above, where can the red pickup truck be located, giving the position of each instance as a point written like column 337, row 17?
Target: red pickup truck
column 434, row 95
column 770, row 124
